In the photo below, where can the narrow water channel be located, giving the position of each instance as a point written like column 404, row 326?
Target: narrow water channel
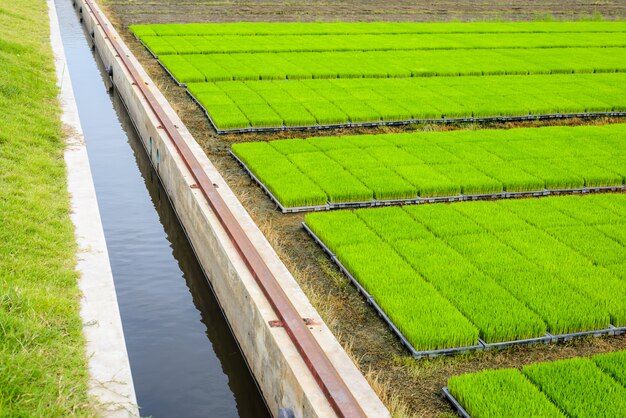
column 184, row 359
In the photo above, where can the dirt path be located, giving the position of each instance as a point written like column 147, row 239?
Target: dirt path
column 157, row 11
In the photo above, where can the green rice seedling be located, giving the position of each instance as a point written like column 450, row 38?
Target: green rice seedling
column 469, row 152
column 340, row 228
column 393, row 223
column 326, row 113
column 354, row 159
column 292, row 146
column 181, row 69
column 591, row 244
column 430, row 152
column 616, row 231
column 472, row 181
column 261, row 116
column 385, row 183
column 206, row 65
column 158, row 45
column 513, row 178
column 579, row 387
column 616, row 165
column 616, row 203
column 443, row 220
column 492, row 217
column 501, row 393
column 326, row 143
column 585, row 209
column 595, row 176
column 539, row 212
column 365, row 141
column 424, row 317
column 496, row 313
column 558, row 259
column 339, row 184
column 613, row 364
column 564, row 309
column 429, row 182
column 552, row 173
column 226, row 116
column 392, row 156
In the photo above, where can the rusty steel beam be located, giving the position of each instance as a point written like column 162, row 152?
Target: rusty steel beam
column 332, row 385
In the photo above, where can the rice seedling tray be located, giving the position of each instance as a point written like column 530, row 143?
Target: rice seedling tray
column 415, row 201
column 172, row 76
column 273, row 198
column 457, row 406
column 595, row 333
column 416, row 353
column 507, row 344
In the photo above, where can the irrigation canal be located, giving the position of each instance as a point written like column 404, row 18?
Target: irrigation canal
column 184, row 359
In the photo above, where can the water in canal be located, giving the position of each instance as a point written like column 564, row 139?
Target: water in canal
column 184, row 359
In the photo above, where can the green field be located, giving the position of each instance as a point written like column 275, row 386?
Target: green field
column 43, row 367
column 580, row 387
column 430, row 164
column 303, row 75
column 447, row 275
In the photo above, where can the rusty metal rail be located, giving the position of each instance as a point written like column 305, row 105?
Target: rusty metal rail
column 332, row 385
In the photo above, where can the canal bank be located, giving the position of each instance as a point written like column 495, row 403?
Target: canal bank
column 183, row 357
column 110, row 378
column 296, row 360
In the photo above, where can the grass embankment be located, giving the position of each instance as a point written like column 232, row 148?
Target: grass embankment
column 43, row 368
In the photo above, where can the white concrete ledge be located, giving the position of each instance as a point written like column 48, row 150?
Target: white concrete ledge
column 282, row 375
column 110, row 382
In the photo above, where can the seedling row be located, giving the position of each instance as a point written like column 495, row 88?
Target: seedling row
column 236, row 105
column 460, row 275
column 578, row 387
column 381, row 64
column 403, row 168
column 362, row 28
column 219, row 44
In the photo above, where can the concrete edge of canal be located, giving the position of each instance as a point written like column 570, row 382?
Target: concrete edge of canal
column 286, row 380
column 110, row 378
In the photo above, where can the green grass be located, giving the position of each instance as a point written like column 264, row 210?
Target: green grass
column 509, row 275
column 42, row 360
column 577, row 387
column 439, row 164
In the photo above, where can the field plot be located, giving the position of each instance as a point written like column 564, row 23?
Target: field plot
column 484, row 273
column 331, row 171
column 580, row 387
column 265, row 76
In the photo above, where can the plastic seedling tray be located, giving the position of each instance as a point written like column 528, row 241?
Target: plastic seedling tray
column 527, row 341
column 416, row 353
column 571, row 336
column 482, row 345
column 462, row 412
column 171, row 75
column 419, row 200
column 618, row 330
column 279, row 205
